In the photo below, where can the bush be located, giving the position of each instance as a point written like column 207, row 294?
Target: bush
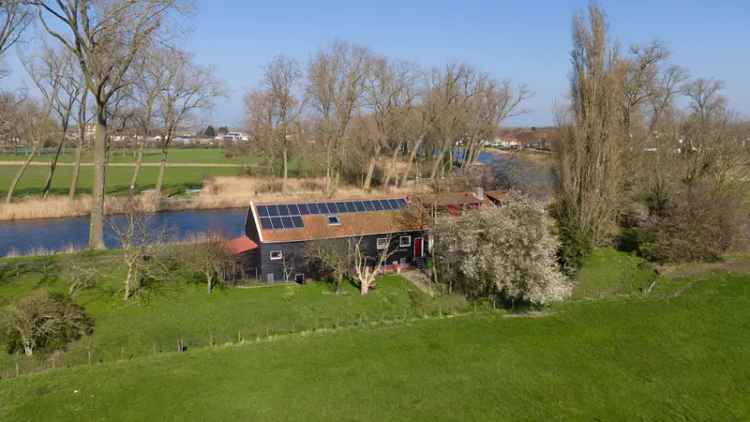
column 44, row 322
column 508, row 251
column 697, row 225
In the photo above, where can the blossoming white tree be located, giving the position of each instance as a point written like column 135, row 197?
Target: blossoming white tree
column 508, row 251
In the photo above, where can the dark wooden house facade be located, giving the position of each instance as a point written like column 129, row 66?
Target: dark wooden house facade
column 284, row 231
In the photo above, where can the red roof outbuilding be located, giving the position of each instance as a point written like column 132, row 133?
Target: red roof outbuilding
column 240, row 245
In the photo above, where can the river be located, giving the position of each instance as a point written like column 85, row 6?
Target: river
column 25, row 237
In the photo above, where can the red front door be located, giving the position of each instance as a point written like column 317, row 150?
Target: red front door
column 418, row 247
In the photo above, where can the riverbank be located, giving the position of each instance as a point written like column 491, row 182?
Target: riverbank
column 221, row 192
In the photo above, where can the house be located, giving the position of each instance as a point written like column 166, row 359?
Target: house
column 284, row 231
column 454, row 203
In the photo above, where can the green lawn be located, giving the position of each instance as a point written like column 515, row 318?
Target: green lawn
column 677, row 356
column 178, row 179
column 607, row 272
column 183, row 311
column 118, row 178
column 181, row 155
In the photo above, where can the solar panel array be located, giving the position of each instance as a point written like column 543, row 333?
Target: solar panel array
column 289, row 216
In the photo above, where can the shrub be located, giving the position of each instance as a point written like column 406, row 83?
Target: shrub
column 44, row 321
column 697, row 225
column 508, row 251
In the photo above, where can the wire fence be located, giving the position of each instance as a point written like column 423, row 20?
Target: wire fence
column 88, row 353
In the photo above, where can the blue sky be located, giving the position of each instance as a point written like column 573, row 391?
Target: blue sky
column 526, row 41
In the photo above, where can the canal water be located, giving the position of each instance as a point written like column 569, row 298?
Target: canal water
column 33, row 236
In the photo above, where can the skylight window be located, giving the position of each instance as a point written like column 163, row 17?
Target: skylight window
column 333, row 220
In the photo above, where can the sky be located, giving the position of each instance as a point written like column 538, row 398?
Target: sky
column 527, row 42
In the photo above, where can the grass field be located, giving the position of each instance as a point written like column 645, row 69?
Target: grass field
column 180, row 177
column 176, row 155
column 677, row 353
column 118, row 178
column 183, row 311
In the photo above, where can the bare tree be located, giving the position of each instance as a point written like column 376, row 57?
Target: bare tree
column 144, row 252
column 336, row 79
column 186, row 88
column 14, row 18
column 56, row 75
column 105, row 37
column 390, row 98
column 32, row 125
column 334, row 257
column 212, row 260
column 367, row 268
column 589, row 156
column 83, row 119
column 281, row 79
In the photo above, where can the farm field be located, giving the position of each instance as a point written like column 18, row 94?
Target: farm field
column 176, row 155
column 678, row 353
column 118, row 178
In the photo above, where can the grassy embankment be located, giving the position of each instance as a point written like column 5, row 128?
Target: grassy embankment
column 678, row 353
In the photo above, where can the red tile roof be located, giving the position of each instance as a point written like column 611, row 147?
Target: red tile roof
column 240, row 245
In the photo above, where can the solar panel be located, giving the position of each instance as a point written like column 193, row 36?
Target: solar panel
column 293, row 209
column 287, row 221
column 273, row 210
column 297, row 222
column 394, row 204
column 401, row 203
column 283, row 210
column 341, row 207
column 330, row 207
column 262, row 211
column 265, row 223
column 359, row 206
column 304, row 209
column 387, row 205
column 277, row 224
column 370, row 205
column 350, row 207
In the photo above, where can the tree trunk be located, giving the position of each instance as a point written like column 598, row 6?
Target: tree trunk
column 76, row 171
column 366, row 186
column 28, row 349
column 53, row 163
column 160, row 179
column 412, row 157
column 389, row 172
column 96, row 224
column 436, row 165
column 137, row 169
column 129, row 282
column 19, row 175
column 285, row 154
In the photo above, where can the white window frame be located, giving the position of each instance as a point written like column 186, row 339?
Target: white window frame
column 277, row 258
column 404, row 241
column 338, row 220
column 299, row 275
column 382, row 243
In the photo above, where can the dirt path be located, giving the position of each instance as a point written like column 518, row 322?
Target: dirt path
column 46, row 163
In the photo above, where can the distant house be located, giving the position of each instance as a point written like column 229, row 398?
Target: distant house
column 454, row 203
column 283, row 232
column 233, row 137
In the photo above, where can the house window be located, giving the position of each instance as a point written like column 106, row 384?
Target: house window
column 299, row 278
column 276, row 255
column 333, row 220
column 404, row 241
column 382, row 243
